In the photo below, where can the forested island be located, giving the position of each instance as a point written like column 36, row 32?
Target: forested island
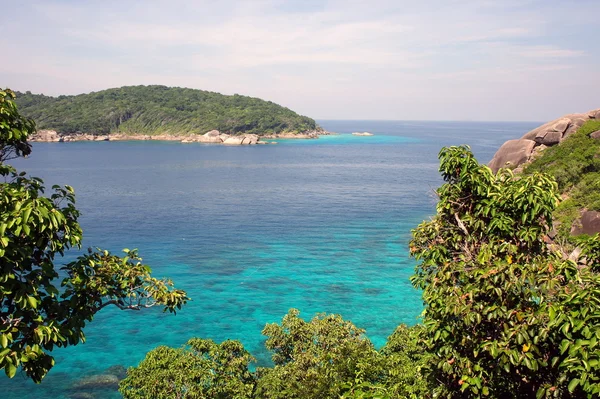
column 151, row 111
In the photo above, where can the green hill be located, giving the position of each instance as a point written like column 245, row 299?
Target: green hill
column 160, row 110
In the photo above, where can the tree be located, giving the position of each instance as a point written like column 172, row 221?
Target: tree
column 201, row 369
column 505, row 315
column 42, row 307
column 316, row 359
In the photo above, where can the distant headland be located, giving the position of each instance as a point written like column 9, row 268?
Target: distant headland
column 163, row 113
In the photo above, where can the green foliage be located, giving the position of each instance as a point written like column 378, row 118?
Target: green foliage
column 201, row 369
column 14, row 128
column 504, row 316
column 575, row 164
column 406, row 362
column 313, row 359
column 40, row 310
column 160, row 109
column 325, row 357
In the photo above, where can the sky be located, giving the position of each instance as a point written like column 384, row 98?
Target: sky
column 499, row 60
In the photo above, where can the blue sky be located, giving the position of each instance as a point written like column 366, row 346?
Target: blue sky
column 340, row 59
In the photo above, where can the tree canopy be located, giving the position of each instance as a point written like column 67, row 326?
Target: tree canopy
column 506, row 315
column 42, row 305
column 160, row 110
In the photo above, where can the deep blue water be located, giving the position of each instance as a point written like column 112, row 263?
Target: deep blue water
column 319, row 225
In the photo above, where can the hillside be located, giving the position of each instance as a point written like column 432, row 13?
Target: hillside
column 153, row 110
column 568, row 149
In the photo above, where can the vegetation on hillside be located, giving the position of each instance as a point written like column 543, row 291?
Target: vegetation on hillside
column 575, row 164
column 160, row 110
column 505, row 315
column 40, row 309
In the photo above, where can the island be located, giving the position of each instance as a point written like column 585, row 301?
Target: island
column 163, row 113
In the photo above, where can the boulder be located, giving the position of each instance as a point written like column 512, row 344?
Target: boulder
column 551, row 133
column 212, row 133
column 46, row 135
column 250, row 139
column 588, row 224
column 595, row 135
column 234, row 140
column 97, row 381
column 512, row 154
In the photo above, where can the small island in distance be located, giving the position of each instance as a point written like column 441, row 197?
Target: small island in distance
column 163, row 113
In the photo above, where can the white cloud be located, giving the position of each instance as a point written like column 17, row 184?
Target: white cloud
column 336, row 59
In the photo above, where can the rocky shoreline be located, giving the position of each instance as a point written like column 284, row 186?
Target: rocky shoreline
column 212, row 137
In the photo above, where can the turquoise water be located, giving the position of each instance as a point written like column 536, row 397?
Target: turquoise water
column 319, row 225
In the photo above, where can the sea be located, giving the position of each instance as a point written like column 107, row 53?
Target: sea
column 250, row 232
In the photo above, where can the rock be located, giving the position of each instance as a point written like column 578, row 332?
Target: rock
column 552, row 132
column 588, row 224
column 46, row 135
column 595, row 135
column 117, row 370
column 548, row 138
column 212, row 133
column 575, row 255
column 101, row 138
column 250, row 139
column 82, row 395
column 97, row 381
column 362, row 134
column 512, row 154
column 576, row 122
column 516, row 152
column 234, row 140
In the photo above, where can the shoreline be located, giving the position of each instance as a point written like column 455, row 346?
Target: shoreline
column 212, row 137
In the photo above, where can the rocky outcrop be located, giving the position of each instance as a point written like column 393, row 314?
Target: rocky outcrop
column 362, row 134
column 517, row 152
column 46, row 135
column 595, row 135
column 512, row 153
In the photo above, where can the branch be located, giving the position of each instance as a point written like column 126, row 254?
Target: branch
column 461, row 224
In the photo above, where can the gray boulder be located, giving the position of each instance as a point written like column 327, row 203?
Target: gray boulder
column 588, row 224
column 512, row 154
column 595, row 135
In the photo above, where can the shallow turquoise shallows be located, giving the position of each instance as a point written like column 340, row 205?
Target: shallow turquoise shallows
column 252, row 231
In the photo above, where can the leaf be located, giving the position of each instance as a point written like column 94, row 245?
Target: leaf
column 10, row 369
column 573, row 384
column 32, row 302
